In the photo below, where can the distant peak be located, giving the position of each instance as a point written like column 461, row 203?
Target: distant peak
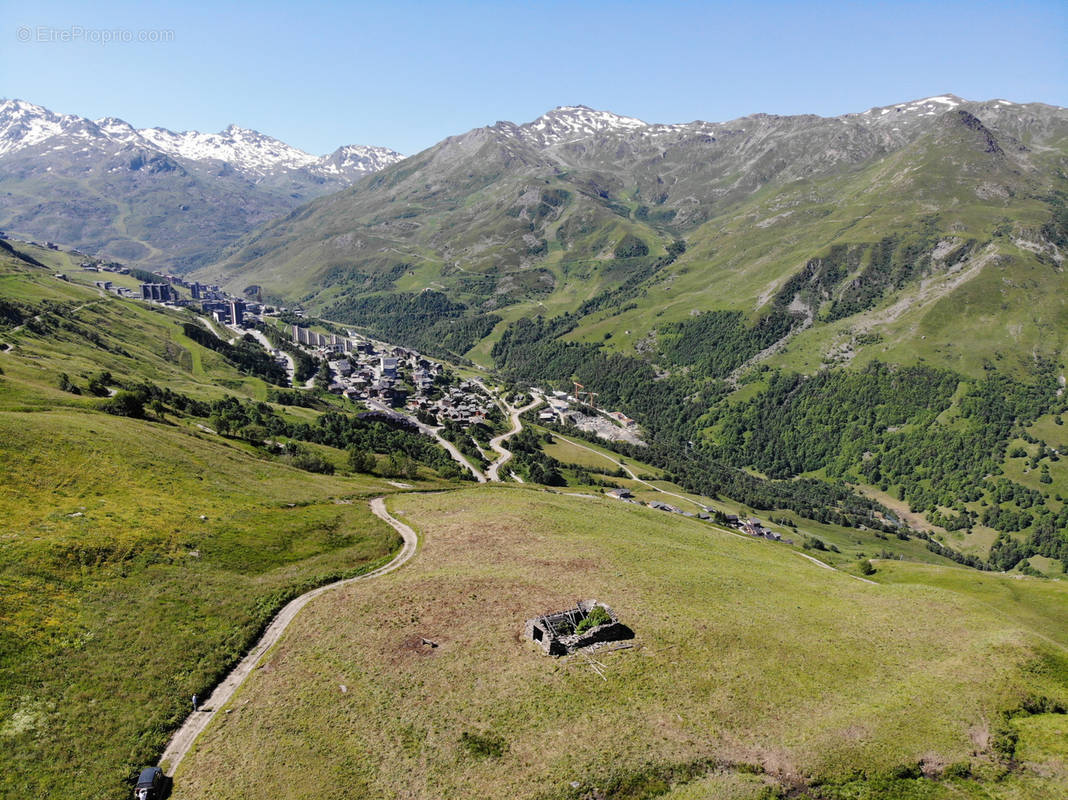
column 236, row 130
column 593, row 114
column 21, row 105
column 572, row 123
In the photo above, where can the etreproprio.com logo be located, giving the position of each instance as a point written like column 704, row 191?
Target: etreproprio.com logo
column 68, row 34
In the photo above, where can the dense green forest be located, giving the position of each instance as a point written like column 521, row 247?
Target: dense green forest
column 670, row 410
column 717, row 342
column 900, row 429
column 427, row 320
column 929, row 436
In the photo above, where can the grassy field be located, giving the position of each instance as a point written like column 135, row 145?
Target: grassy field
column 751, row 666
column 587, row 454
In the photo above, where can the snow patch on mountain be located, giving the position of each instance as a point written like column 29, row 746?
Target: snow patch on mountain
column 905, row 112
column 248, row 150
column 357, row 158
column 573, row 123
column 23, row 124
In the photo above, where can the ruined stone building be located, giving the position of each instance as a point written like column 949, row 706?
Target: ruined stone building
column 586, row 624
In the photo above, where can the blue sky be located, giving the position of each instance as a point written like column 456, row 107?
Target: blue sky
column 407, row 74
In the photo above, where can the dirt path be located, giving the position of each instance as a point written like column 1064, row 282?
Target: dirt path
column 631, row 473
column 36, row 317
column 493, row 473
column 197, row 721
column 825, row 565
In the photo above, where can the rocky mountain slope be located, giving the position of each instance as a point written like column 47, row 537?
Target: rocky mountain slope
column 152, row 196
column 511, row 218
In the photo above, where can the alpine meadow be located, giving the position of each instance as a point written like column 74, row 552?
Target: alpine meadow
column 584, row 458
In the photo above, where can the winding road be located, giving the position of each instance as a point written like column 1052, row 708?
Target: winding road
column 197, row 721
column 630, row 472
column 182, row 741
column 259, row 336
column 435, row 434
column 493, row 473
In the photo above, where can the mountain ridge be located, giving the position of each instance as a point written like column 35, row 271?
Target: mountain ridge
column 153, row 197
column 24, row 124
column 508, row 200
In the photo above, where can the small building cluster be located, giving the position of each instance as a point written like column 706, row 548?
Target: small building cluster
column 100, row 266
column 397, row 377
column 754, row 527
column 464, row 404
column 118, row 291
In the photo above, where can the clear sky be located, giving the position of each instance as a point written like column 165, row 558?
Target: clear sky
column 407, row 74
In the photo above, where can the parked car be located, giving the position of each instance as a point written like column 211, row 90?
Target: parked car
column 149, row 784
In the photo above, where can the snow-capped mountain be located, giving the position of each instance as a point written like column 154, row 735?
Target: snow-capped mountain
column 572, row 123
column 152, row 196
column 355, row 158
column 24, row 125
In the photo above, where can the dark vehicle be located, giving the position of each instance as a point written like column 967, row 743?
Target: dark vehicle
column 149, row 784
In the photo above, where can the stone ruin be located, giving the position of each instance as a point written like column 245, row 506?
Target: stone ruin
column 556, row 632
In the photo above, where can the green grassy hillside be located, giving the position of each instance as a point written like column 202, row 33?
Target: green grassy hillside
column 752, row 670
column 140, row 555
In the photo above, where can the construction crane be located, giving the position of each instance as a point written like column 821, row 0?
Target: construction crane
column 581, row 390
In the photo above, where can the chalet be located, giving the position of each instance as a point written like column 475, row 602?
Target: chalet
column 421, row 380
column 664, row 507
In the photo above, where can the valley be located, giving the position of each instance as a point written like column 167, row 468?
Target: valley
column 787, row 393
